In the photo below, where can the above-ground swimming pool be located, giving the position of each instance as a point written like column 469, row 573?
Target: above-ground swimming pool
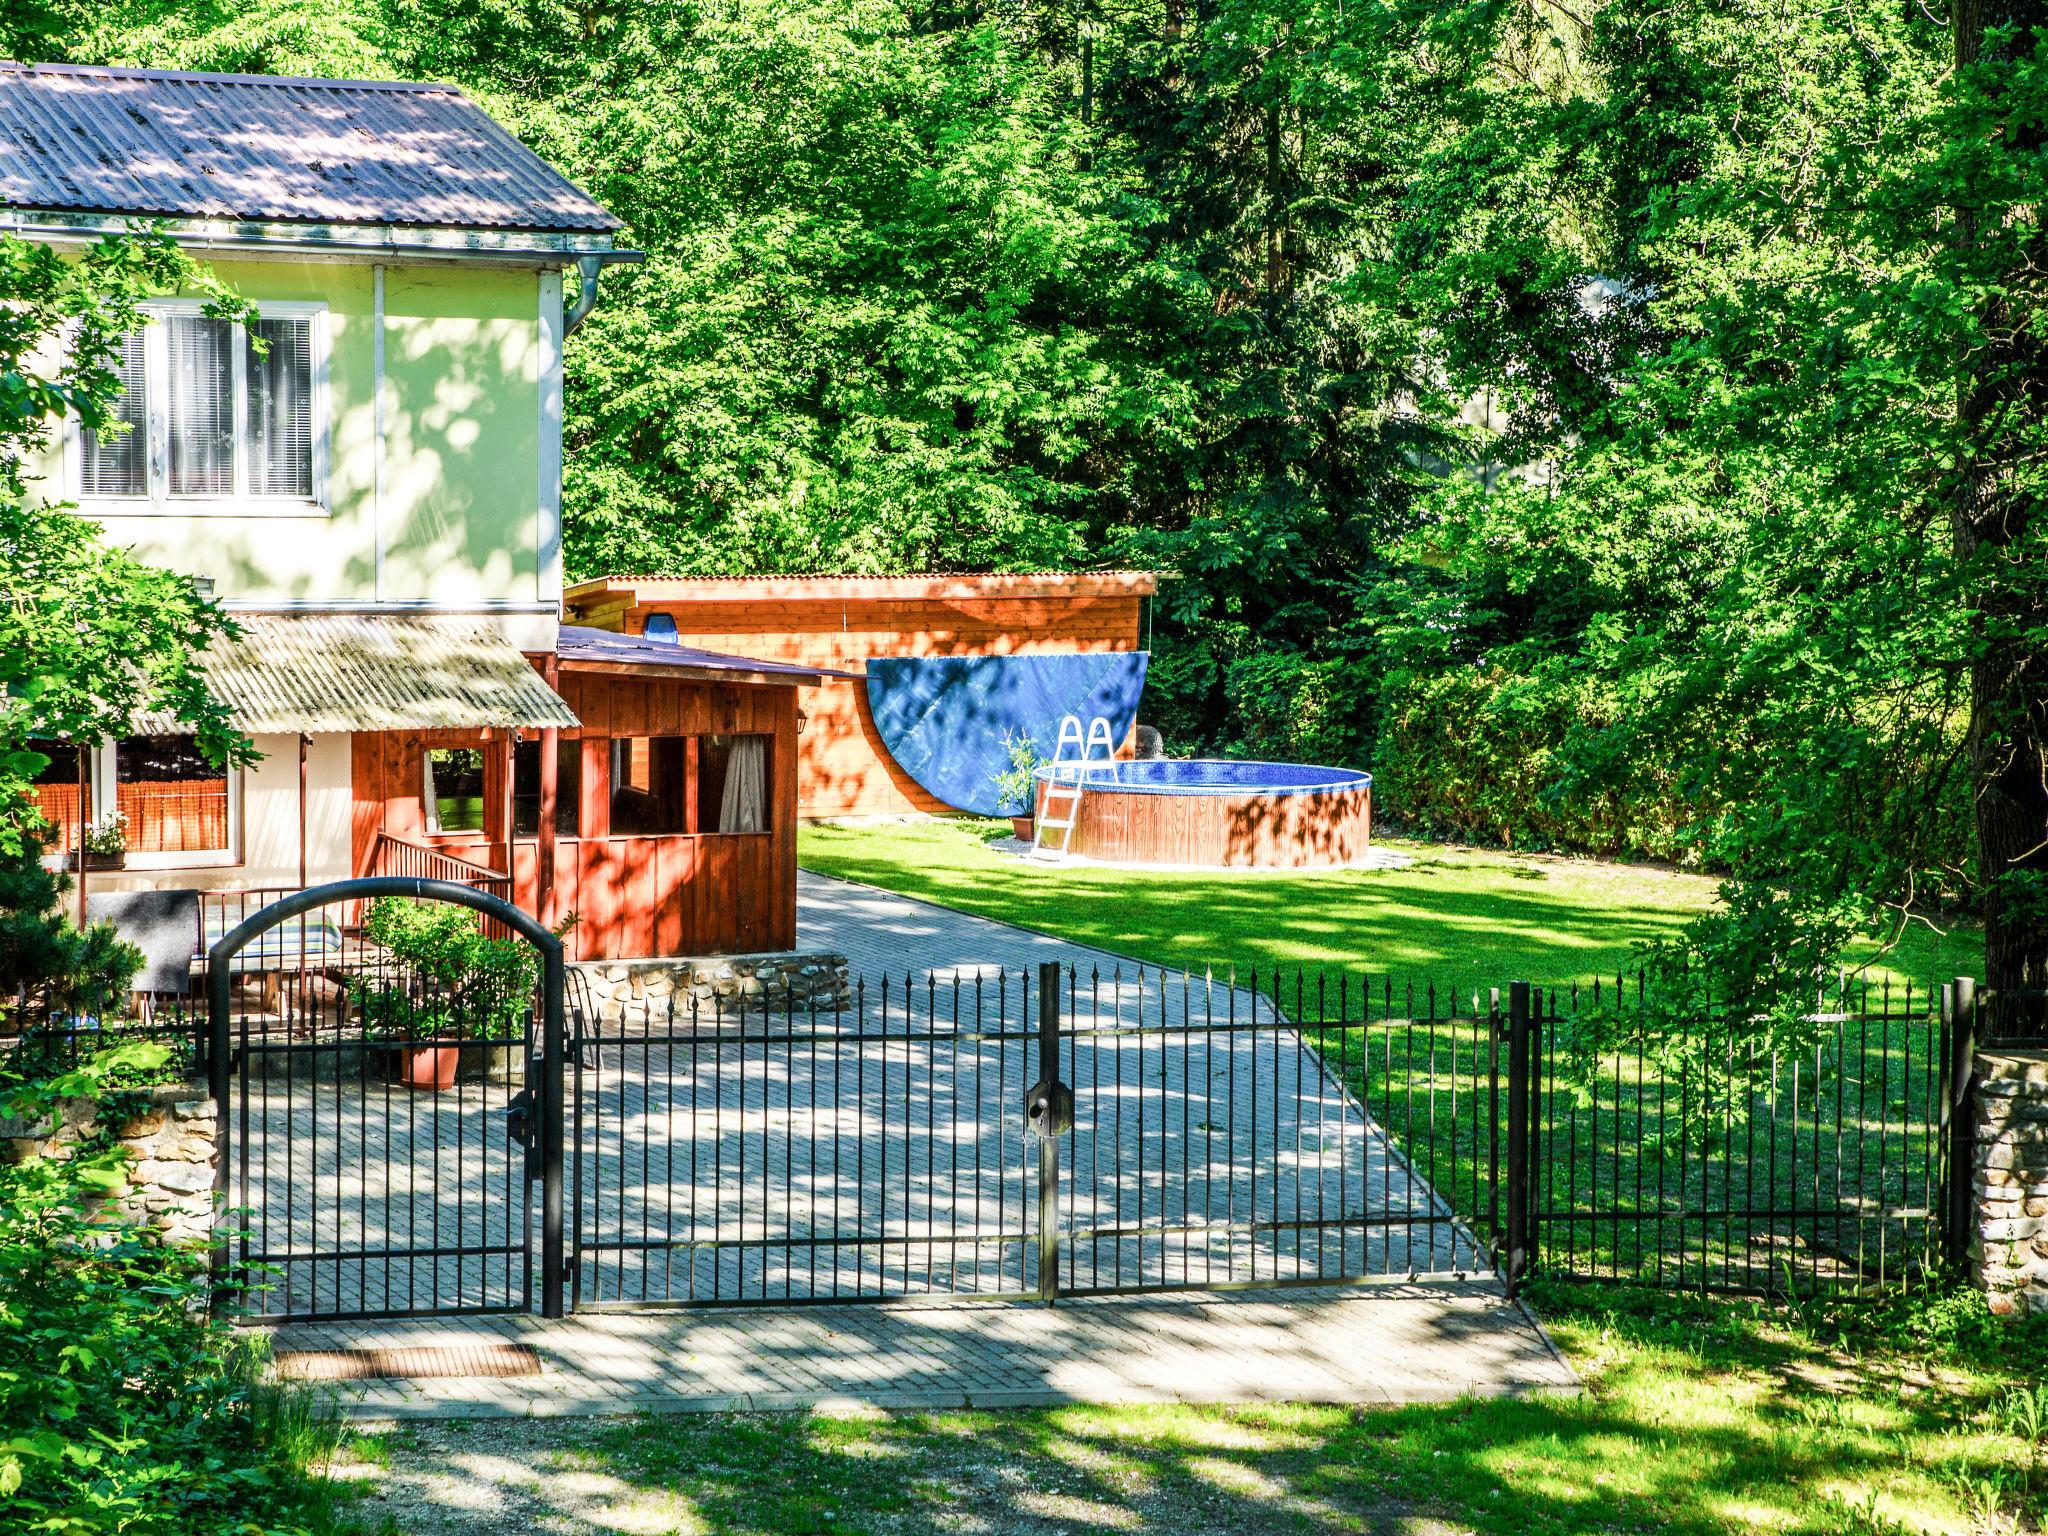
column 1216, row 813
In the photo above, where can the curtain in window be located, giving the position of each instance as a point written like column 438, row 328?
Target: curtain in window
column 117, row 464
column 744, row 807
column 280, row 385
column 202, row 405
column 174, row 800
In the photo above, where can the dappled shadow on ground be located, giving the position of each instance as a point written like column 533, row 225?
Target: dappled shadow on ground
column 1703, row 1419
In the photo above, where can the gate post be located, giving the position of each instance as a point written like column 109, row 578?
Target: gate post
column 1044, row 1112
column 553, row 982
column 1493, row 1122
column 1959, row 1117
column 1521, row 1224
column 218, row 995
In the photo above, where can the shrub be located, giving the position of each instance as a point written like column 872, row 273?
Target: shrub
column 123, row 1408
column 446, row 979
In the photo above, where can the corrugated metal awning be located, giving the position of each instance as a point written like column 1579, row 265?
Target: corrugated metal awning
column 330, row 672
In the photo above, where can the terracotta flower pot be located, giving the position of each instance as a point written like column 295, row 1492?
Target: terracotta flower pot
column 429, row 1066
column 1021, row 825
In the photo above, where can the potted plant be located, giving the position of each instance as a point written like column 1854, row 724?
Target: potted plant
column 1017, row 785
column 104, row 844
column 454, row 1001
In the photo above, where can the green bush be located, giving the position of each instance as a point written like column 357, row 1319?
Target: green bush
column 446, row 979
column 122, row 1407
column 1492, row 756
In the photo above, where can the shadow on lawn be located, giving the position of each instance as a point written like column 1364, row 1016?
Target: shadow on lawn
column 1703, row 1418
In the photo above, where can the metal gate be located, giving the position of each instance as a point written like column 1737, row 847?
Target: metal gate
column 357, row 1183
column 992, row 1138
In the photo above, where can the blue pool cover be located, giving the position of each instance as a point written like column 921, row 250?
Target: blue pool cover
column 1219, row 776
column 943, row 718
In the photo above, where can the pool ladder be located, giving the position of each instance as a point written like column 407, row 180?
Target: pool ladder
column 1064, row 789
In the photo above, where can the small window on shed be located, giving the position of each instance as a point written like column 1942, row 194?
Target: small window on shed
column 454, row 790
column 526, row 787
column 650, row 786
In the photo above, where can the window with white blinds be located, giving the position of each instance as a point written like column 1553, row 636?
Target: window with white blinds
column 219, row 411
column 201, row 400
column 116, row 463
column 280, row 385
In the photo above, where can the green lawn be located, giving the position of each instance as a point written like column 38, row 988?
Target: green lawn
column 1462, row 917
column 1697, row 1418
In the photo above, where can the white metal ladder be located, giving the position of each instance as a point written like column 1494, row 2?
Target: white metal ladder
column 1069, row 776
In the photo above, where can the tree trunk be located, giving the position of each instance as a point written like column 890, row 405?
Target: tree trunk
column 1998, row 532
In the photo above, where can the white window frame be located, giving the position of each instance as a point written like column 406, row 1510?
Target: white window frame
column 105, row 802
column 156, row 425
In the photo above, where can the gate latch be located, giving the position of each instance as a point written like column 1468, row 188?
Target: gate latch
column 519, row 1119
column 1049, row 1108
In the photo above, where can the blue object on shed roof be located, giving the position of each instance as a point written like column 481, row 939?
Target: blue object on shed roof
column 81, row 138
column 580, row 645
column 944, row 718
column 662, row 626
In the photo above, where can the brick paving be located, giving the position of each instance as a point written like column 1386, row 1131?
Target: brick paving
column 877, row 1153
column 1393, row 1344
column 880, row 1154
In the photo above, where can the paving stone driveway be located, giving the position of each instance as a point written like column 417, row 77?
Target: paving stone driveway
column 886, row 1158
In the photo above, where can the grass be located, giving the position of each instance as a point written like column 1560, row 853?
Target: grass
column 1698, row 1418
column 1465, row 917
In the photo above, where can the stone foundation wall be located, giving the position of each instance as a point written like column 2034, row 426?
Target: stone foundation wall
column 805, row 981
column 171, row 1142
column 2009, row 1245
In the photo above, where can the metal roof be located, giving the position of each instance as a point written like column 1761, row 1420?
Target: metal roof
column 348, row 672
column 829, row 588
column 582, row 646
column 89, row 139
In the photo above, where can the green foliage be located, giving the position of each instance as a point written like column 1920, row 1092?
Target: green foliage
column 1018, row 783
column 40, row 951
column 122, row 1408
column 445, row 979
column 1617, row 425
column 89, row 636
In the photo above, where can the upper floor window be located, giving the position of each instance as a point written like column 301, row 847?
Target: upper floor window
column 216, row 411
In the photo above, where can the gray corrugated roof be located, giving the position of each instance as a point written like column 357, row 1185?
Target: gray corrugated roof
column 347, row 672
column 84, row 139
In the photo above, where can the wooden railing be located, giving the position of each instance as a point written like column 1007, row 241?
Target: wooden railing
column 400, row 856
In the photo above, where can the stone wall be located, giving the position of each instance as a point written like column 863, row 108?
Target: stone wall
column 804, row 981
column 171, row 1139
column 2009, row 1246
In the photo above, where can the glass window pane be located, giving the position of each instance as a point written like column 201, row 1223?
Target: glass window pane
column 732, row 783
column 116, row 463
column 174, row 800
column 200, row 396
column 455, row 785
column 280, row 387
column 650, row 786
column 526, row 787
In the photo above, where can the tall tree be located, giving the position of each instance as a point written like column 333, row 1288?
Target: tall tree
column 1999, row 127
column 89, row 635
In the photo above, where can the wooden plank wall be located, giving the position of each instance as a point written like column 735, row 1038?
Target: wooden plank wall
column 634, row 897
column 844, row 768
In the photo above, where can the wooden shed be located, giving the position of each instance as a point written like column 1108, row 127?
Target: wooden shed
column 664, row 821
column 839, row 623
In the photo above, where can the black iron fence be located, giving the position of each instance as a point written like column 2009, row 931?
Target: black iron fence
column 1000, row 1134
column 1269, row 1129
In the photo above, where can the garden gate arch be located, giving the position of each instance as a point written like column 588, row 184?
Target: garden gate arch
column 348, row 1192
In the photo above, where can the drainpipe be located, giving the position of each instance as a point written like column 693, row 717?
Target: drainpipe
column 586, row 301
